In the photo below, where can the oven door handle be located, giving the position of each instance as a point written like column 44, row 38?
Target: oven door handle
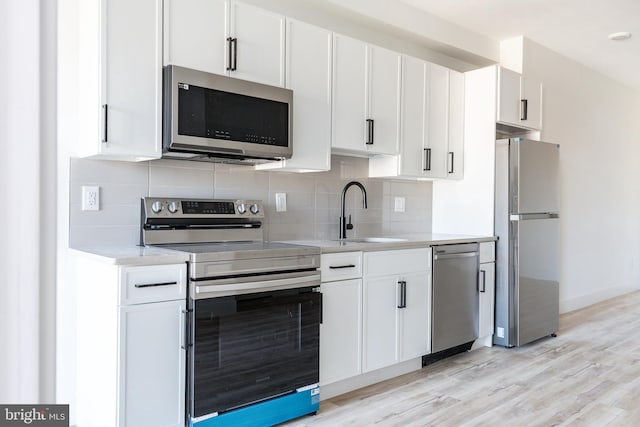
column 211, row 289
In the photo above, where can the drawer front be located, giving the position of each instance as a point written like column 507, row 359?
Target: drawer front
column 397, row 262
column 153, row 283
column 341, row 266
column 487, row 252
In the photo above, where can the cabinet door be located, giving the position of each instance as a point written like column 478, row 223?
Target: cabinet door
column 131, row 80
column 195, row 34
column 151, row 365
column 260, row 35
column 380, row 312
column 508, row 97
column 348, row 94
column 308, row 74
column 487, row 283
column 438, row 120
column 415, row 319
column 455, row 150
column 341, row 330
column 414, row 156
column 383, row 100
column 531, row 92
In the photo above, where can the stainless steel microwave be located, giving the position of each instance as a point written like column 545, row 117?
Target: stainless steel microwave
column 211, row 117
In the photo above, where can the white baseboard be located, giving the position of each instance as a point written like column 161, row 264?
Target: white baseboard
column 341, row 387
column 593, row 298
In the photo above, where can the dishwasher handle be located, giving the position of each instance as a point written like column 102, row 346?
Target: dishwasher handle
column 456, row 255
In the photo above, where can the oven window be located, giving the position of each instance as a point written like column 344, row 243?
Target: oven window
column 209, row 113
column 252, row 347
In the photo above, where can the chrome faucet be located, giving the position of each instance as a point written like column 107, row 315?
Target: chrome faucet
column 343, row 221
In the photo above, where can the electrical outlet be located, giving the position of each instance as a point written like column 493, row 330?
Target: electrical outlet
column 399, row 204
column 500, row 332
column 90, row 198
column 281, row 202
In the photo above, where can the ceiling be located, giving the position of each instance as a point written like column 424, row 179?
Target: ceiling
column 577, row 29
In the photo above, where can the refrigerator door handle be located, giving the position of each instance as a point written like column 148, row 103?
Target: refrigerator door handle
column 524, row 217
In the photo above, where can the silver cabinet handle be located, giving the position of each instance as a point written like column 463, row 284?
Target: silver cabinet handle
column 152, row 285
column 484, row 281
column 183, row 329
column 456, row 255
column 450, row 162
column 105, row 134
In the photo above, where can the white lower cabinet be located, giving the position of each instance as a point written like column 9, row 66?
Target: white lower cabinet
column 150, row 364
column 375, row 321
column 396, row 307
column 397, row 327
column 131, row 345
column 341, row 330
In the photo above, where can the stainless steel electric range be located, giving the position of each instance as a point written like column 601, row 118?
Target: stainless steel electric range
column 254, row 310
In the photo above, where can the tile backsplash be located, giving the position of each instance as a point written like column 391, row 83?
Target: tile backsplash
column 313, row 199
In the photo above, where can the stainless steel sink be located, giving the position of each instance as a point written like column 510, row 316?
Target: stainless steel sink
column 373, row 240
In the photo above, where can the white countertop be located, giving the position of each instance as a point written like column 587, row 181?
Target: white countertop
column 138, row 255
column 132, row 255
column 404, row 241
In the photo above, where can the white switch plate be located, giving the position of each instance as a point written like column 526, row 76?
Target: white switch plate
column 90, row 198
column 281, row 202
column 399, row 204
column 500, row 332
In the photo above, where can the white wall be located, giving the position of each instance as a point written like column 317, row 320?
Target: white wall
column 27, row 189
column 313, row 199
column 596, row 121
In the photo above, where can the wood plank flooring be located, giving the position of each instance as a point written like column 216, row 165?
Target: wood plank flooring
column 588, row 376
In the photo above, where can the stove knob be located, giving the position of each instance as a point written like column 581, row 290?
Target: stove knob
column 254, row 209
column 173, row 207
column 242, row 208
column 156, row 206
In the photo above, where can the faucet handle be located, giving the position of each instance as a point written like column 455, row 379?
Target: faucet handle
column 349, row 225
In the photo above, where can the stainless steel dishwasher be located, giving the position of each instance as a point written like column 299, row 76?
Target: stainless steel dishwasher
column 455, row 295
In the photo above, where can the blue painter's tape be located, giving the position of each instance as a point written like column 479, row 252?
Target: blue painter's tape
column 267, row 413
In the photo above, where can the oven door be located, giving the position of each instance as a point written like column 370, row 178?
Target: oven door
column 251, row 347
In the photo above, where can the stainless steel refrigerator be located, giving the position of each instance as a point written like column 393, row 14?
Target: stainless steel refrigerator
column 527, row 224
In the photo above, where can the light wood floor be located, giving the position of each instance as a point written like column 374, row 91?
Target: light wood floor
column 588, row 376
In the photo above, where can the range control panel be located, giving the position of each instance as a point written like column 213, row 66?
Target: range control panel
column 202, row 208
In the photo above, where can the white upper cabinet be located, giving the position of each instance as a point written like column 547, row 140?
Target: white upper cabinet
column 383, row 100
column 226, row 37
column 431, row 124
column 349, row 93
column 257, row 44
column 119, row 79
column 308, row 74
column 455, row 147
column 438, row 119
column 531, row 103
column 519, row 100
column 195, row 34
column 414, row 147
column 366, row 85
